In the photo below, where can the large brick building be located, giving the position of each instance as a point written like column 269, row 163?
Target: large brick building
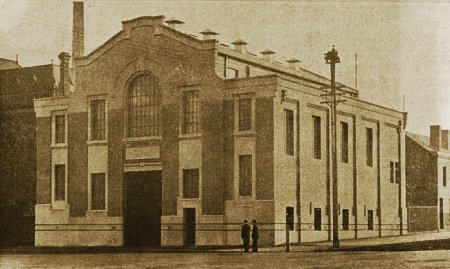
column 168, row 139
column 428, row 192
column 18, row 87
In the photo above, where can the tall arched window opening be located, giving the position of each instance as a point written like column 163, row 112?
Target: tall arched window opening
column 144, row 105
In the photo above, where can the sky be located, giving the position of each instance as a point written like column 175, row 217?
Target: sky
column 403, row 48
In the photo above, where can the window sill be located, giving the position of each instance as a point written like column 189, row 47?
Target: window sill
column 244, row 134
column 97, row 212
column 59, row 146
column 245, row 200
column 190, row 199
column 190, row 136
column 142, row 139
column 97, row 142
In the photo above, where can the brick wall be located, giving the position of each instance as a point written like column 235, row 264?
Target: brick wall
column 264, row 148
column 115, row 159
column 212, row 152
column 77, row 163
column 169, row 158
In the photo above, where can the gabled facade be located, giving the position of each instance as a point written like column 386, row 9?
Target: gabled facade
column 428, row 192
column 172, row 140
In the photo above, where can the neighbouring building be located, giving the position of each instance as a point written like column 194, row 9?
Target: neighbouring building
column 8, row 64
column 18, row 87
column 168, row 139
column 427, row 189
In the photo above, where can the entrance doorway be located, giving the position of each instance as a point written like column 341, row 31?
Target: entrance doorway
column 143, row 208
column 189, row 226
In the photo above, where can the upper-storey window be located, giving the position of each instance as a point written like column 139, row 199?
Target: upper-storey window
column 344, row 142
column 98, row 119
column 245, row 114
column 369, row 146
column 317, row 137
column 289, row 126
column 190, row 112
column 59, row 131
column 144, row 105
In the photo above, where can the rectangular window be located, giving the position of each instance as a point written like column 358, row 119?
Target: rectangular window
column 60, row 182
column 98, row 191
column 444, row 176
column 98, row 119
column 345, row 219
column 344, row 142
column 190, row 112
column 317, row 137
column 369, row 146
column 317, row 219
column 245, row 114
column 190, row 183
column 245, row 175
column 369, row 219
column 397, row 172
column 60, row 129
column 289, row 125
column 392, row 172
column 247, row 71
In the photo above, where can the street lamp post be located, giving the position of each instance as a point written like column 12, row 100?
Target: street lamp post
column 332, row 59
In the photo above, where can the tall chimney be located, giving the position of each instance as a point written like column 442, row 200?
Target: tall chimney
column 64, row 77
column 444, row 139
column 78, row 30
column 435, row 137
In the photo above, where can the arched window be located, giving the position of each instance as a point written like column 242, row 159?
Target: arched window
column 144, row 105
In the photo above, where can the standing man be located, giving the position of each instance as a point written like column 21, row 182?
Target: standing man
column 255, row 236
column 245, row 235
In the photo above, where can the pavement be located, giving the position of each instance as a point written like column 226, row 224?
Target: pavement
column 439, row 240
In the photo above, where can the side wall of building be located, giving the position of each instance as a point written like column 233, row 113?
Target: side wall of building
column 364, row 186
column 422, row 187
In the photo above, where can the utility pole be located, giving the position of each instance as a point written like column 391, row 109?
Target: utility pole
column 332, row 59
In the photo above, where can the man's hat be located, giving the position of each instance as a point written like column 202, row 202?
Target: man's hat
column 245, row 221
column 254, row 221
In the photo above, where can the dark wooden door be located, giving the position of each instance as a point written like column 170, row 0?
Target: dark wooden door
column 317, row 219
column 369, row 219
column 189, row 226
column 143, row 209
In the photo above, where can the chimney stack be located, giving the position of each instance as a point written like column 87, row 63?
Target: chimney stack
column 174, row 23
column 78, row 30
column 64, row 77
column 435, row 137
column 444, row 139
column 293, row 63
column 268, row 55
column 240, row 45
column 208, row 34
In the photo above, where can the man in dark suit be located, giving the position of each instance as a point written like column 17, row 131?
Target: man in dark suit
column 255, row 236
column 245, row 235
